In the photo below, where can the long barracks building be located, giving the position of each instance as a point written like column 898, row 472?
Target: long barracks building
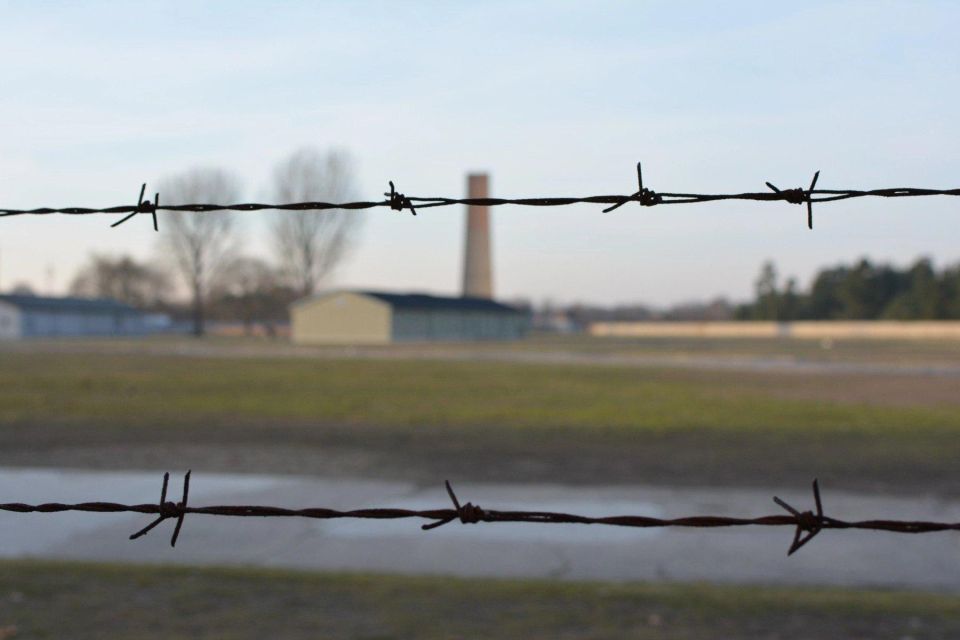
column 373, row 317
column 26, row 316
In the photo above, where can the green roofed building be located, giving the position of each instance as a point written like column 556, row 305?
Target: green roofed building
column 373, row 317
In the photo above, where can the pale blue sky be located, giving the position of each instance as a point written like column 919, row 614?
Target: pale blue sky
column 553, row 98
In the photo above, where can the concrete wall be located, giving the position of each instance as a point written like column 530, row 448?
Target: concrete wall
column 10, row 322
column 914, row 330
column 340, row 317
column 837, row 330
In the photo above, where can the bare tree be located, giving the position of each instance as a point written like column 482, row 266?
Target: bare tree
column 23, row 289
column 309, row 244
column 199, row 243
column 252, row 291
column 121, row 278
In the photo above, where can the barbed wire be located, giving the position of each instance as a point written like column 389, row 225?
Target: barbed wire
column 807, row 524
column 399, row 202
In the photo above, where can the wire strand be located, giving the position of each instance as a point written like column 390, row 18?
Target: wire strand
column 807, row 524
column 397, row 201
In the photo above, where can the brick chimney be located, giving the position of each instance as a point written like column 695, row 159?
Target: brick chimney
column 477, row 269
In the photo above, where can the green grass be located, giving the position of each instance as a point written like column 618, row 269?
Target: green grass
column 130, row 391
column 71, row 600
column 423, row 421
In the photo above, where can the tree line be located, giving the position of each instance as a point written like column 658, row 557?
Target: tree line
column 202, row 251
column 861, row 291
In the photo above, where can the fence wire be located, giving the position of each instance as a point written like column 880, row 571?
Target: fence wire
column 400, row 202
column 806, row 524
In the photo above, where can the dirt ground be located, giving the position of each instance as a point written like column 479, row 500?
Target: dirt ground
column 77, row 601
column 851, row 462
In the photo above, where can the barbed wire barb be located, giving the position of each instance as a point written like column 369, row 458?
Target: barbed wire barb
column 645, row 197
column 169, row 510
column 398, row 201
column 467, row 514
column 807, row 521
column 799, row 196
column 142, row 207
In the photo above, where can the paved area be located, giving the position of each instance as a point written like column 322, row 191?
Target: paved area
column 752, row 364
column 744, row 555
column 466, row 353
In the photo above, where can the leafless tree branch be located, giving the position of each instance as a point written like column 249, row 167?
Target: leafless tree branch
column 199, row 245
column 309, row 244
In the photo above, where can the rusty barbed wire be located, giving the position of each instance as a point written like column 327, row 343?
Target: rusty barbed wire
column 398, row 202
column 807, row 524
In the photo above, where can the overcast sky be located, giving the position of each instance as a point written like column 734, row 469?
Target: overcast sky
column 552, row 98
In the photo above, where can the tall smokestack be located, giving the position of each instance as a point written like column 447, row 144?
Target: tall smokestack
column 477, row 276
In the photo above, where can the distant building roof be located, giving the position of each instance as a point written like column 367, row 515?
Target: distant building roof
column 424, row 302
column 74, row 305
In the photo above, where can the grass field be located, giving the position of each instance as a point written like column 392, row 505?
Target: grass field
column 850, row 350
column 78, row 601
column 219, row 405
column 132, row 392
column 426, row 420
